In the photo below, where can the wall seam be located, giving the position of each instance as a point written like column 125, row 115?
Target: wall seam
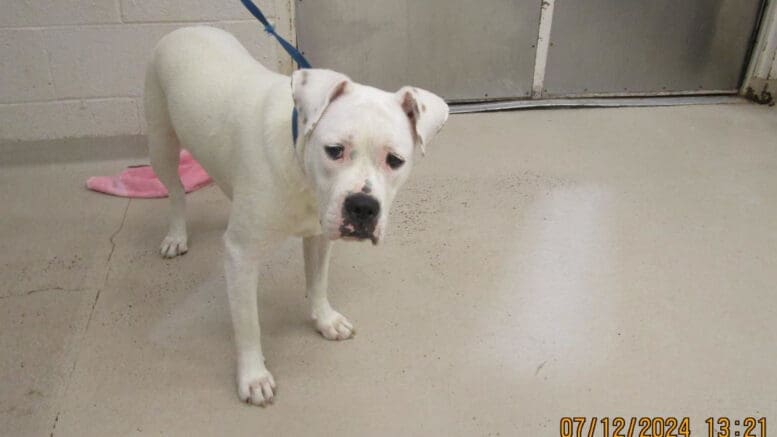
column 137, row 23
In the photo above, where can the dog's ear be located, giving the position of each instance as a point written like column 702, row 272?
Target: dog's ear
column 313, row 90
column 426, row 111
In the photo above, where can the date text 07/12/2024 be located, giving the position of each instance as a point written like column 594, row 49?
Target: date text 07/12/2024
column 659, row 427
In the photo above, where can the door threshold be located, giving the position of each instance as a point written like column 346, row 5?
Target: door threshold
column 599, row 102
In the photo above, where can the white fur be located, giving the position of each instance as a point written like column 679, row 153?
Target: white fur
column 206, row 93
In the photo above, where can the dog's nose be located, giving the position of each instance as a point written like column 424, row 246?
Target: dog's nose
column 361, row 208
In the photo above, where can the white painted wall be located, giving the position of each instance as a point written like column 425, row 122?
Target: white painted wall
column 72, row 68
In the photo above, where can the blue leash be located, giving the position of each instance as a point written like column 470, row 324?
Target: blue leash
column 290, row 49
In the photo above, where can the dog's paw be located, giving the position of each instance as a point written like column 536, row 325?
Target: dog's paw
column 173, row 245
column 334, row 326
column 256, row 388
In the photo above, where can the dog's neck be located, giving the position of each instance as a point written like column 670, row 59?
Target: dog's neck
column 278, row 134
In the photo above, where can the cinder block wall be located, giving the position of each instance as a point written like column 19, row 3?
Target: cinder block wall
column 75, row 68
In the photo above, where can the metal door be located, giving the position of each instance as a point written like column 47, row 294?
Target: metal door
column 470, row 50
column 648, row 47
column 460, row 49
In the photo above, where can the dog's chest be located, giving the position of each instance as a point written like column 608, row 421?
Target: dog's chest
column 302, row 215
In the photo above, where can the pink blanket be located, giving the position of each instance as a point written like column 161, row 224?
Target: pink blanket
column 141, row 181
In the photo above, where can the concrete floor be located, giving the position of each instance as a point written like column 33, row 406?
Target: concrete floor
column 541, row 264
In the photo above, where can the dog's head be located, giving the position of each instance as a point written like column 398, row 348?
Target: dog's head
column 358, row 146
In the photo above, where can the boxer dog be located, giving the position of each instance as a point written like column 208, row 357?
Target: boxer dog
column 205, row 92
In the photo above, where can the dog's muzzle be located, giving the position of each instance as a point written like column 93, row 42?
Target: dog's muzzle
column 360, row 216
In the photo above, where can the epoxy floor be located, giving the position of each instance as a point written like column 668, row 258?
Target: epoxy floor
column 540, row 264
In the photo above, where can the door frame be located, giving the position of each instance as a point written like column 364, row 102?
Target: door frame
column 760, row 78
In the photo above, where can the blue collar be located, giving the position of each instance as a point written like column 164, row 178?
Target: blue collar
column 294, row 132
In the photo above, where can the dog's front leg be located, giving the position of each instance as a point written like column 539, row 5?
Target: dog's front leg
column 331, row 324
column 255, row 383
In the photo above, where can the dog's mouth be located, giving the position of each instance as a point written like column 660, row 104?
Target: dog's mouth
column 359, row 232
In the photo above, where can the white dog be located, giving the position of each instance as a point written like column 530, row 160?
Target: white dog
column 206, row 93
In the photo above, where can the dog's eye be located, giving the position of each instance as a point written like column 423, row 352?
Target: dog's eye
column 334, row 152
column 394, row 161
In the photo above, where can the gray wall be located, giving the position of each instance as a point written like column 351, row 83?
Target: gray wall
column 72, row 68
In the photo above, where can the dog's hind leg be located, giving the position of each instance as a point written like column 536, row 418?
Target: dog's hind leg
column 164, row 150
